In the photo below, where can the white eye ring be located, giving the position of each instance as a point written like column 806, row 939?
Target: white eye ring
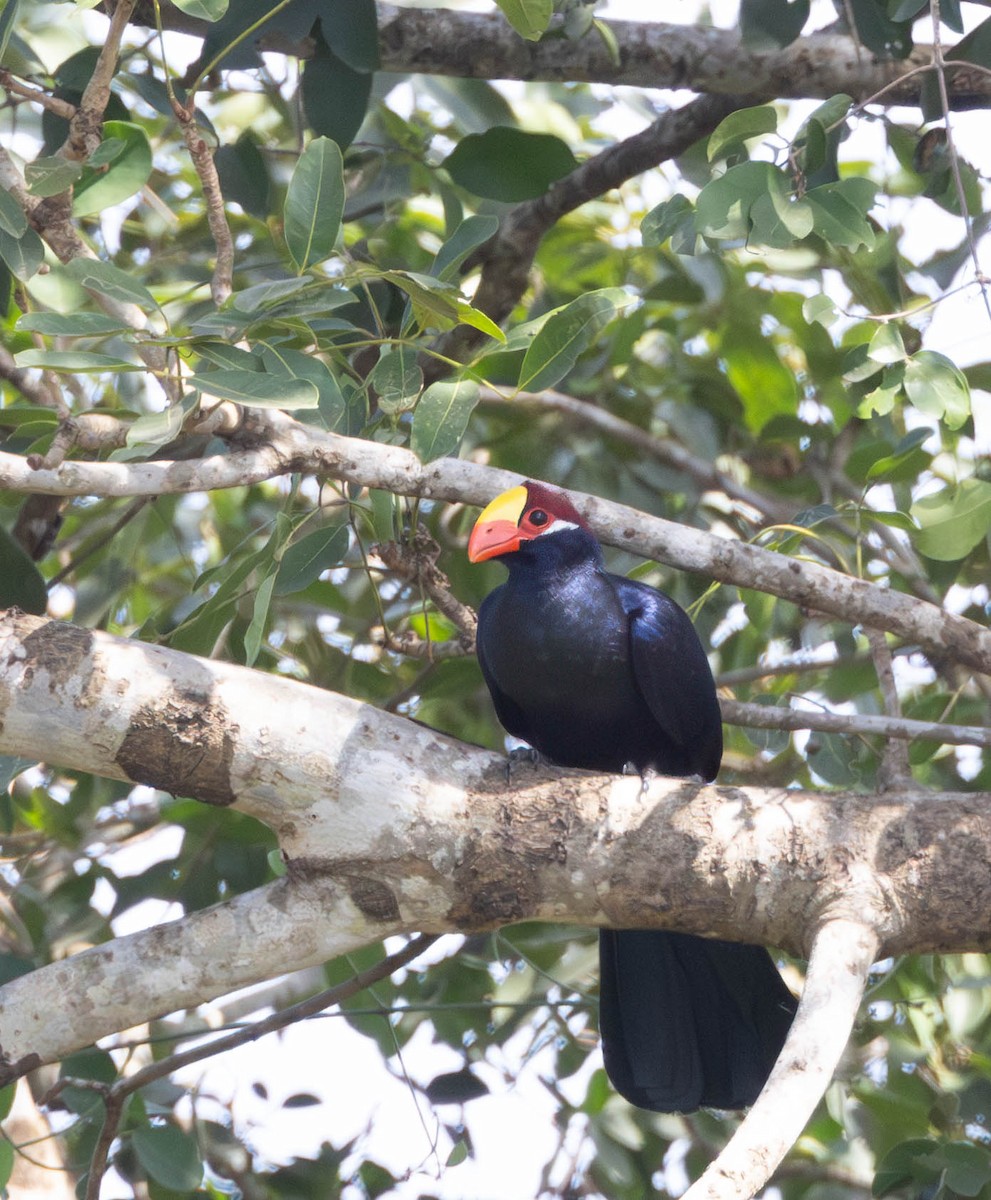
column 556, row 527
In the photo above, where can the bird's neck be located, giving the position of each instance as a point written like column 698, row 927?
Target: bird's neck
column 554, row 556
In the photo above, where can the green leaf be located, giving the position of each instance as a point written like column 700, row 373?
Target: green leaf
column 205, row 10
column 766, row 387
column 263, row 295
column 23, row 255
column 294, row 364
column 968, row 1167
column 975, row 47
column 779, row 218
column 469, row 315
column 104, row 279
column 396, row 378
column 51, row 175
column 722, row 210
column 841, row 210
column 255, row 633
column 21, row 583
column 882, row 36
column 730, row 134
column 937, row 387
column 12, row 218
column 881, row 401
column 771, row 24
column 8, row 15
column 905, row 1165
column 668, row 219
column 820, row 310
column 508, row 164
column 75, row 324
column 530, row 18
column 886, row 346
column 350, row 29
column 306, row 559
column 953, row 520
column 244, row 175
column 433, row 298
column 897, row 520
column 169, row 1155
column 157, row 429
column 315, row 203
column 441, row 418
column 904, row 463
column 565, row 335
column 103, row 185
column 79, row 361
column 470, row 234
column 257, row 389
column 335, row 96
column 6, row 1161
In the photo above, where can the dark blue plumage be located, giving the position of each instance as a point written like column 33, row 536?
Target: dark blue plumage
column 601, row 672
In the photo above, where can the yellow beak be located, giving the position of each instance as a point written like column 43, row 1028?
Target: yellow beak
column 497, row 529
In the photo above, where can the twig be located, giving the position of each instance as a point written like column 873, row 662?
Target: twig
column 842, row 953
column 790, row 666
column 115, row 1097
column 662, row 450
column 506, row 259
column 61, row 108
column 86, row 125
column 416, row 563
column 287, row 446
column 759, row 716
column 939, row 63
column 895, row 770
column 201, row 155
column 21, row 379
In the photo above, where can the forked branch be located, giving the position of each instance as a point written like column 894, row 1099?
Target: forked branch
column 842, row 953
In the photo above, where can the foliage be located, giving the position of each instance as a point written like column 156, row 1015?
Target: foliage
column 770, row 325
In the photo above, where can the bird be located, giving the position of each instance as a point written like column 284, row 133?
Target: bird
column 596, row 671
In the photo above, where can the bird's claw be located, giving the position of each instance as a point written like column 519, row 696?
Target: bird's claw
column 521, row 755
column 647, row 774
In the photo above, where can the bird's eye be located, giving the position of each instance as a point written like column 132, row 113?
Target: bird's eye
column 538, row 517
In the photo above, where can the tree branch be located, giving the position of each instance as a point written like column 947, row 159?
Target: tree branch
column 842, row 953
column 290, row 446
column 654, row 54
column 663, row 450
column 507, row 257
column 389, row 827
column 116, row 1095
column 902, row 729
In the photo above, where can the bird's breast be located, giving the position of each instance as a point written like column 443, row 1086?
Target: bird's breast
column 562, row 656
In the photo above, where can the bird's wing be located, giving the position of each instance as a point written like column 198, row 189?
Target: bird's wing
column 673, row 674
column 511, row 716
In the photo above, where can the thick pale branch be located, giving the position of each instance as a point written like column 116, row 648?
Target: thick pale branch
column 289, row 446
column 389, row 827
column 652, row 54
column 842, row 953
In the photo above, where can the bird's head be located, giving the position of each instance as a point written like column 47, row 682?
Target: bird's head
column 519, row 516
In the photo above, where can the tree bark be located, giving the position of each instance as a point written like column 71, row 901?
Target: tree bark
column 655, row 54
column 388, row 827
column 287, row 445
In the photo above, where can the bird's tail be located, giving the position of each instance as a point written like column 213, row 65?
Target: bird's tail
column 688, row 1022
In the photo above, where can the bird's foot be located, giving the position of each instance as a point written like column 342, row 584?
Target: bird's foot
column 647, row 774
column 521, row 756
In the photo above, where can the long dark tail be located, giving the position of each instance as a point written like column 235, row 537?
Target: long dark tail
column 687, row 1022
